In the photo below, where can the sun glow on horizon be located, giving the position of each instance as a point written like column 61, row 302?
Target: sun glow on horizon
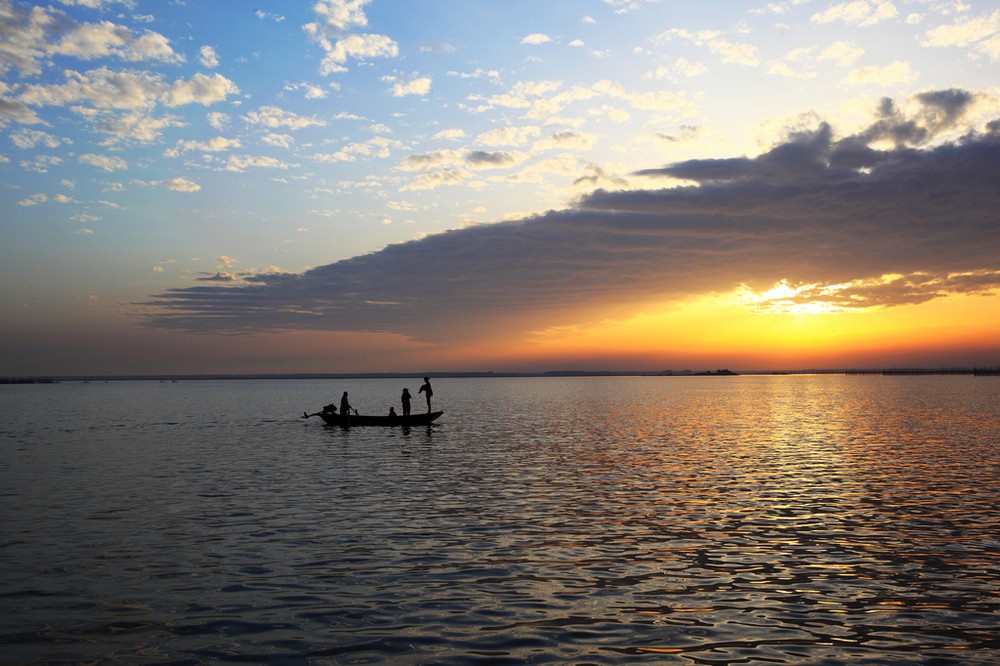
column 733, row 326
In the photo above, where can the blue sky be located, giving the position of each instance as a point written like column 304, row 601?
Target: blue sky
column 176, row 172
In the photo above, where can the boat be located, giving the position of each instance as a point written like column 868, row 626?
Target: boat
column 334, row 419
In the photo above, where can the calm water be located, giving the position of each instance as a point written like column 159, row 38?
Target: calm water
column 694, row 520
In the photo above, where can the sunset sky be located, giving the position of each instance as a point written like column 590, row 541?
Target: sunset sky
column 441, row 185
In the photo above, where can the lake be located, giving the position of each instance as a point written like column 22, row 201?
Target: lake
column 821, row 519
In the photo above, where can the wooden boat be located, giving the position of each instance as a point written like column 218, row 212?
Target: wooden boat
column 423, row 418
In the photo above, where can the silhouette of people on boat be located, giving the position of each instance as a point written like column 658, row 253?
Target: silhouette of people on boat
column 426, row 389
column 344, row 418
column 405, row 399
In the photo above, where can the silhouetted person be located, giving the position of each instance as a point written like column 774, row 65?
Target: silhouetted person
column 392, row 412
column 405, row 399
column 428, row 391
column 345, row 407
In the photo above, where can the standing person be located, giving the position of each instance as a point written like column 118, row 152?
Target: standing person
column 426, row 388
column 405, row 399
column 345, row 407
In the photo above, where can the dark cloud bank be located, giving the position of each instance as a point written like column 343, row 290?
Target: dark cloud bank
column 812, row 210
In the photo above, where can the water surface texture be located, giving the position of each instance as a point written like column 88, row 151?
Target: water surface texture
column 689, row 520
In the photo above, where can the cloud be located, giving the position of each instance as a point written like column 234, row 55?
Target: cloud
column 341, row 15
column 105, row 162
column 981, row 32
column 311, row 91
column 273, row 117
column 217, row 119
column 358, row 47
column 219, row 277
column 279, row 140
column 418, row 86
column 508, row 136
column 208, row 57
column 567, row 140
column 479, row 159
column 200, row 89
column 337, row 17
column 18, row 112
column 717, row 43
column 183, row 185
column 241, row 163
column 31, row 36
column 27, row 139
column 843, row 53
column 536, row 38
column 216, row 144
column 831, row 218
column 104, row 88
column 894, row 74
column 105, row 39
column 863, row 13
column 136, row 126
column 542, row 100
column 431, row 160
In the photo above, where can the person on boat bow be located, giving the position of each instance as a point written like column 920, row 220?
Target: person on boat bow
column 426, row 388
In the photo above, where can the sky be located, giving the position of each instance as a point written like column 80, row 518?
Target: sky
column 376, row 186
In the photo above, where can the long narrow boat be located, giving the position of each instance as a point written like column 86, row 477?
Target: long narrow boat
column 424, row 418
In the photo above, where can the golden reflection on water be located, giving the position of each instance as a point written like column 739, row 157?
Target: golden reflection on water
column 785, row 501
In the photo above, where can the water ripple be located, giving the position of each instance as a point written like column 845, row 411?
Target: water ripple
column 789, row 520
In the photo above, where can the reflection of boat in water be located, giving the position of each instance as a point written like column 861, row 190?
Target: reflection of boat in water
column 334, row 419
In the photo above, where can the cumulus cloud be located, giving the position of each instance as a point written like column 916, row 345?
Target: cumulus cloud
column 331, row 32
column 310, row 91
column 31, row 34
column 894, row 74
column 105, row 162
column 717, row 43
column 980, row 32
column 183, row 185
column 134, row 126
column 509, row 136
column 835, row 219
column 200, row 89
column 862, row 13
column 358, row 47
column 536, row 38
column 479, row 159
column 243, row 162
column 274, row 117
column 844, row 53
column 542, row 100
column 208, row 57
column 104, row 89
column 418, row 86
column 27, row 139
column 214, row 145
column 340, row 15
column 14, row 110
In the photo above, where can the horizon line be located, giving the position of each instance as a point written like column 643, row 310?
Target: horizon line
column 909, row 370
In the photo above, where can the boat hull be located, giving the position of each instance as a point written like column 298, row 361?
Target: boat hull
column 368, row 420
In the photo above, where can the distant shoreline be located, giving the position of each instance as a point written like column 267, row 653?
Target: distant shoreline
column 974, row 371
